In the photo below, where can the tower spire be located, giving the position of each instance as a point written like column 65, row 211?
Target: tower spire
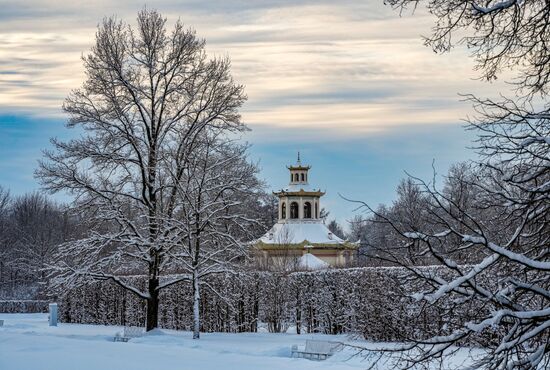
column 299, row 162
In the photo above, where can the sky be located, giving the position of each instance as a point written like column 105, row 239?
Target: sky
column 349, row 84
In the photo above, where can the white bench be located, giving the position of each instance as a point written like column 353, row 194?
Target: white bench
column 316, row 349
column 128, row 333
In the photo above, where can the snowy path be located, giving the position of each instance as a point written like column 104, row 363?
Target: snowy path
column 28, row 343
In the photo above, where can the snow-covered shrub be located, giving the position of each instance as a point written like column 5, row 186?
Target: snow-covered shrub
column 23, row 306
column 375, row 302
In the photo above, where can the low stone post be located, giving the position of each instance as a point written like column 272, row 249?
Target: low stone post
column 53, row 314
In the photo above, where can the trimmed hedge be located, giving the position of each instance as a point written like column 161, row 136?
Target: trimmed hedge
column 374, row 302
column 23, row 306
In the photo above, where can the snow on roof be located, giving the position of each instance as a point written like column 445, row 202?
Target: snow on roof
column 296, row 232
column 310, row 262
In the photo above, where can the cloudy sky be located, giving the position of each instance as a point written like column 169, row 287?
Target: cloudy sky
column 347, row 83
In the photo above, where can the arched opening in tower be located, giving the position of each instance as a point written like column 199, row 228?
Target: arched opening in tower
column 293, row 210
column 307, row 210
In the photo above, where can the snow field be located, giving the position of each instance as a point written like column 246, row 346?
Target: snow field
column 28, row 343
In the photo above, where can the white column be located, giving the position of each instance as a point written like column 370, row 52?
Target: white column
column 287, row 208
column 318, row 200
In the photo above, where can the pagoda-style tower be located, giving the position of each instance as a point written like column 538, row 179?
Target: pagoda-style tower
column 299, row 202
column 300, row 230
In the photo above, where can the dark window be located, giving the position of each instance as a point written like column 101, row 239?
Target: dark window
column 316, row 211
column 307, row 210
column 303, row 177
column 296, row 178
column 291, row 177
column 283, row 210
column 293, row 210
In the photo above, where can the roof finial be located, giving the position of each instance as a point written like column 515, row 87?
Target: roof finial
column 299, row 162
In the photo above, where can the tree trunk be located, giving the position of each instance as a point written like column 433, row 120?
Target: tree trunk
column 196, row 306
column 153, row 305
column 298, row 313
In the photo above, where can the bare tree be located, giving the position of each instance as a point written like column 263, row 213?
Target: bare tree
column 40, row 225
column 508, row 284
column 284, row 257
column 336, row 229
column 212, row 225
column 381, row 244
column 149, row 94
column 501, row 34
column 378, row 239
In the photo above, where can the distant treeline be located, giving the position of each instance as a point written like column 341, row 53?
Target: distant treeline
column 31, row 228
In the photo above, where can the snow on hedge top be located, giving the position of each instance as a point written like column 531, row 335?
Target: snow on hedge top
column 310, row 262
column 297, row 232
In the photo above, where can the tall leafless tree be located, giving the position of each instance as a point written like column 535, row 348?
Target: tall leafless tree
column 149, row 94
column 501, row 34
column 213, row 225
column 507, row 228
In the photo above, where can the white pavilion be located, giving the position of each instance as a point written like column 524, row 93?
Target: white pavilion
column 299, row 229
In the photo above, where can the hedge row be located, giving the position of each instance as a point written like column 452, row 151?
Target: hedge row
column 23, row 306
column 375, row 302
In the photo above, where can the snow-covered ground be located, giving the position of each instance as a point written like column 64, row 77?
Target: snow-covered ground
column 27, row 342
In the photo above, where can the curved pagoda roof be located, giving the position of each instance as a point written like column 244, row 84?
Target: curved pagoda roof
column 298, row 167
column 302, row 233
